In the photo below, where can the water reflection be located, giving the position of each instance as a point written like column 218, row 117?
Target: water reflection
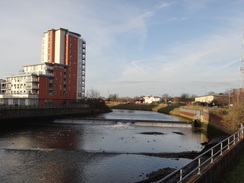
column 52, row 137
column 76, row 151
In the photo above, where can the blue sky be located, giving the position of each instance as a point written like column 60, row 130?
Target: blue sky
column 134, row 47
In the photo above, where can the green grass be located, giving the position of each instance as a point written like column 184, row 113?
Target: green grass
column 162, row 108
column 235, row 174
column 170, row 109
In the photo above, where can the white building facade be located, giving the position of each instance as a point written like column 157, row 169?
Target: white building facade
column 151, row 99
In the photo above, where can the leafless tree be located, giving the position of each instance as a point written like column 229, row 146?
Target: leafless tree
column 93, row 93
column 184, row 97
column 113, row 97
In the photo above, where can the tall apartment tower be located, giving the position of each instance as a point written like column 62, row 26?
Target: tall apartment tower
column 59, row 77
column 62, row 47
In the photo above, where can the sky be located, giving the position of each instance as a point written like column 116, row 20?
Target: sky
column 134, row 47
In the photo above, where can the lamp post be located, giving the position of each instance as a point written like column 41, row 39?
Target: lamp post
column 229, row 96
column 205, row 94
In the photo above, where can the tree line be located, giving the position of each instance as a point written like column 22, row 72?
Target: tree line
column 184, row 98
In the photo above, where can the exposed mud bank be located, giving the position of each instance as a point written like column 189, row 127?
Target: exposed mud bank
column 157, row 175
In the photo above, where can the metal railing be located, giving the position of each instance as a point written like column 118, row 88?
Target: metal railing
column 196, row 165
column 50, row 103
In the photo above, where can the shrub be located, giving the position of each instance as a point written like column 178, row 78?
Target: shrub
column 235, row 117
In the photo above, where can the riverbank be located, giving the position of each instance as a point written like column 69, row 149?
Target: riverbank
column 233, row 174
column 218, row 115
column 174, row 110
column 156, row 107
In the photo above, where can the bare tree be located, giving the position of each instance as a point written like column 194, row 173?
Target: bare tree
column 184, row 97
column 113, row 97
column 93, row 93
column 165, row 98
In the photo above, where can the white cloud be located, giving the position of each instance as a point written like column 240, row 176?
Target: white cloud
column 163, row 5
column 211, row 61
column 118, row 33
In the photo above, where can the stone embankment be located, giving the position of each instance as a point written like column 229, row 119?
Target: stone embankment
column 204, row 116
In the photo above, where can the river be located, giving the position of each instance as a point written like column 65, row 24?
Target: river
column 83, row 151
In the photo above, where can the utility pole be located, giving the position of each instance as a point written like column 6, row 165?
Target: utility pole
column 242, row 68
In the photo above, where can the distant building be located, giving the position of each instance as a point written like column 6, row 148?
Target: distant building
column 59, row 76
column 205, row 98
column 151, row 99
column 214, row 99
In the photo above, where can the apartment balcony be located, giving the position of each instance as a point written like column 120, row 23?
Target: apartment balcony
column 33, row 87
column 49, row 68
column 32, row 81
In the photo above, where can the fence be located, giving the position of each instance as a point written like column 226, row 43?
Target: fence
column 54, row 103
column 208, row 157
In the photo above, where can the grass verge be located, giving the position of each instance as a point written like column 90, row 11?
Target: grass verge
column 235, row 174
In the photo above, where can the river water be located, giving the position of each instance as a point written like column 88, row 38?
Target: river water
column 84, row 151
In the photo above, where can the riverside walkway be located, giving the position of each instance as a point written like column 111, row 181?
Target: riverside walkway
column 209, row 166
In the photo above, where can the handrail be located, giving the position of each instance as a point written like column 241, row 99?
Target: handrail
column 9, row 111
column 196, row 165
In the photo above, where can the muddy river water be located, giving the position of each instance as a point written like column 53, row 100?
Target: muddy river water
column 83, row 151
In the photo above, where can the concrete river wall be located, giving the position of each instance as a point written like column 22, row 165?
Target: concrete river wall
column 21, row 114
column 204, row 116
